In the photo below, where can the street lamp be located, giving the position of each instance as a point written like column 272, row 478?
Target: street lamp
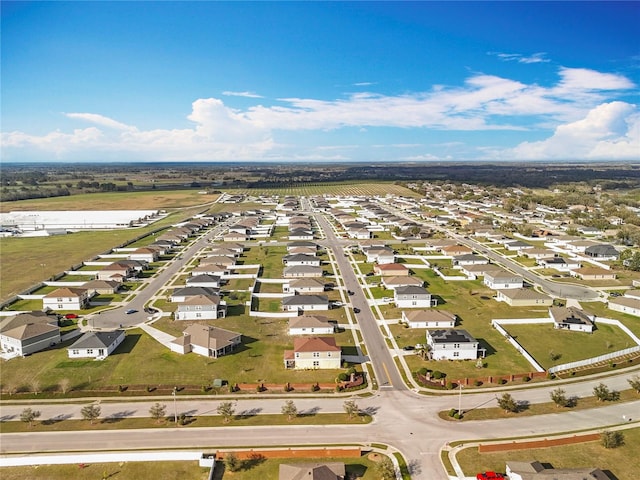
column 460, row 398
column 175, row 405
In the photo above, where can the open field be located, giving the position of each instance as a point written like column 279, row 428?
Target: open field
column 333, row 188
column 254, row 469
column 623, row 462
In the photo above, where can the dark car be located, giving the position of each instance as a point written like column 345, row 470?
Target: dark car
column 356, row 310
column 130, row 311
column 408, row 347
column 349, row 292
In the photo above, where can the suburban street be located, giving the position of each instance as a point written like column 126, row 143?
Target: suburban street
column 402, row 418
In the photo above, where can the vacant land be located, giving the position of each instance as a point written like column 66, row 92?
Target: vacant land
column 623, row 462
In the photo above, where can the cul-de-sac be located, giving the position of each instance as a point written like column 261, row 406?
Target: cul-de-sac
column 416, row 329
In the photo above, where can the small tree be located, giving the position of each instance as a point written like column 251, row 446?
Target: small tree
column 226, row 410
column 634, row 383
column 28, row 415
column 559, row 397
column 158, row 411
column 232, row 462
column 91, row 412
column 351, row 408
column 64, row 385
column 611, row 439
column 35, row 386
column 602, row 393
column 289, row 409
column 508, row 403
column 385, row 469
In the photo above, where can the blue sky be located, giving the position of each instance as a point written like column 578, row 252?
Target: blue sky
column 318, row 82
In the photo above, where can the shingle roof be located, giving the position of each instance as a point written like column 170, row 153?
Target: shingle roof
column 96, row 339
column 315, row 344
column 450, row 336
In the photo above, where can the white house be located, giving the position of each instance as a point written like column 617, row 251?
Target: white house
column 380, row 255
column 413, row 297
column 502, row 280
column 313, row 353
column 182, row 294
column 452, row 344
column 300, row 271
column 203, row 280
column 66, row 298
column 625, row 304
column 311, row 325
column 523, row 297
column 98, row 345
column 305, row 302
column 429, row 319
column 301, row 259
column 201, row 307
column 303, row 285
column 571, row 318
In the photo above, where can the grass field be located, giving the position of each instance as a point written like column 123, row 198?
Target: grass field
column 369, row 189
column 623, row 462
column 258, row 469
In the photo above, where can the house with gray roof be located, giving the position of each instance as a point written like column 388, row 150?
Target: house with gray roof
column 301, row 259
column 502, row 280
column 312, row 471
column 537, row 471
column 452, row 344
column 98, row 345
column 211, row 342
column 602, row 252
column 625, row 304
column 298, row 271
column 305, row 302
column 572, row 318
column 413, row 297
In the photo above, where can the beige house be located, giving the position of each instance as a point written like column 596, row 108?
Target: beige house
column 28, row 333
column 523, row 297
column 312, row 471
column 303, row 285
column 429, row 319
column 66, row 298
column 625, row 304
column 391, row 270
column 313, row 353
column 212, row 342
column 593, row 273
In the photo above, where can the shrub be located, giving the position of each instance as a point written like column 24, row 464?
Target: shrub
column 351, row 371
column 508, row 403
column 122, row 388
column 611, row 439
column 423, row 371
column 452, row 412
column 450, row 385
column 502, row 381
column 342, row 377
column 437, row 374
column 315, row 387
column 457, row 416
column 526, row 378
column 477, row 383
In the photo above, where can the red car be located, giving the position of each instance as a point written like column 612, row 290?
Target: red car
column 489, row 476
column 71, row 316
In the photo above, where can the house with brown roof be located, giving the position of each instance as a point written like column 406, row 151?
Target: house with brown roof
column 27, row 333
column 391, row 269
column 312, row 471
column 299, row 271
column 593, row 273
column 146, row 254
column 101, row 287
column 303, row 285
column 313, row 353
column 211, row 342
column 395, row 282
column 455, row 250
column 311, row 325
column 116, row 271
column 66, row 298
column 572, row 318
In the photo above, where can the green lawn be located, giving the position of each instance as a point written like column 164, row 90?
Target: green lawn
column 623, row 462
column 543, row 340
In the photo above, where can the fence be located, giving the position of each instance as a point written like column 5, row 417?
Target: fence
column 594, row 360
column 517, row 346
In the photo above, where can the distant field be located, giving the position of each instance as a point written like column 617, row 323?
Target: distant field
column 623, row 462
column 371, row 188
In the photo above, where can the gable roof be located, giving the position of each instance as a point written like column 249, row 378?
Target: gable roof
column 315, row 344
column 66, row 292
column 411, row 290
column 450, row 336
column 523, row 294
column 305, row 300
column 209, row 337
column 312, row 471
column 96, row 339
column 429, row 316
column 570, row 315
column 309, row 321
column 30, row 330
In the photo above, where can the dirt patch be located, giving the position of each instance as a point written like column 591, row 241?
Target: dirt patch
column 501, row 447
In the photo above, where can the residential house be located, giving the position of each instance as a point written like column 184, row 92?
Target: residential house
column 380, row 255
column 391, row 269
column 235, row 237
column 313, row 353
column 145, row 254
column 537, row 471
column 455, row 250
column 66, row 298
column 625, row 304
column 302, row 271
column 602, row 252
column 201, row 307
column 301, row 243
column 593, row 273
column 27, row 333
column 394, row 282
column 523, row 297
column 517, row 246
column 571, row 318
column 452, row 344
column 469, row 259
column 502, row 280
column 303, row 251
column 300, row 234
column 303, row 285
column 301, row 259
column 429, row 319
column 413, row 297
column 538, row 253
column 218, row 260
column 224, row 252
column 559, row 263
column 475, row 271
column 203, row 280
column 116, row 271
column 181, row 294
column 312, row 471
column 101, row 287
column 210, row 269
column 211, row 342
column 296, row 303
column 98, row 345
column 311, row 325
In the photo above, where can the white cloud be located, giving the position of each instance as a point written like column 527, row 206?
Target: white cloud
column 100, row 120
column 538, row 57
column 577, row 102
column 363, row 84
column 609, row 131
column 241, row 94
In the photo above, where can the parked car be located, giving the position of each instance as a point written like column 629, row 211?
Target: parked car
column 71, row 316
column 349, row 292
column 356, row 310
column 408, row 347
column 130, row 311
column 489, row 476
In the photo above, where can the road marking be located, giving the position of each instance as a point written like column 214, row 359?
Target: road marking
column 384, row 365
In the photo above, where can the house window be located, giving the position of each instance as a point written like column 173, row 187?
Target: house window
column 198, row 315
column 316, row 363
column 456, row 354
column 75, row 352
column 297, row 355
column 89, row 351
column 414, row 302
column 316, row 354
column 456, row 345
column 60, row 305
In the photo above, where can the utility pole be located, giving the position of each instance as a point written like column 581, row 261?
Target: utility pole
column 460, row 397
column 175, row 405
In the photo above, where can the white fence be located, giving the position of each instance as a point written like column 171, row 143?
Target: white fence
column 591, row 361
column 515, row 344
